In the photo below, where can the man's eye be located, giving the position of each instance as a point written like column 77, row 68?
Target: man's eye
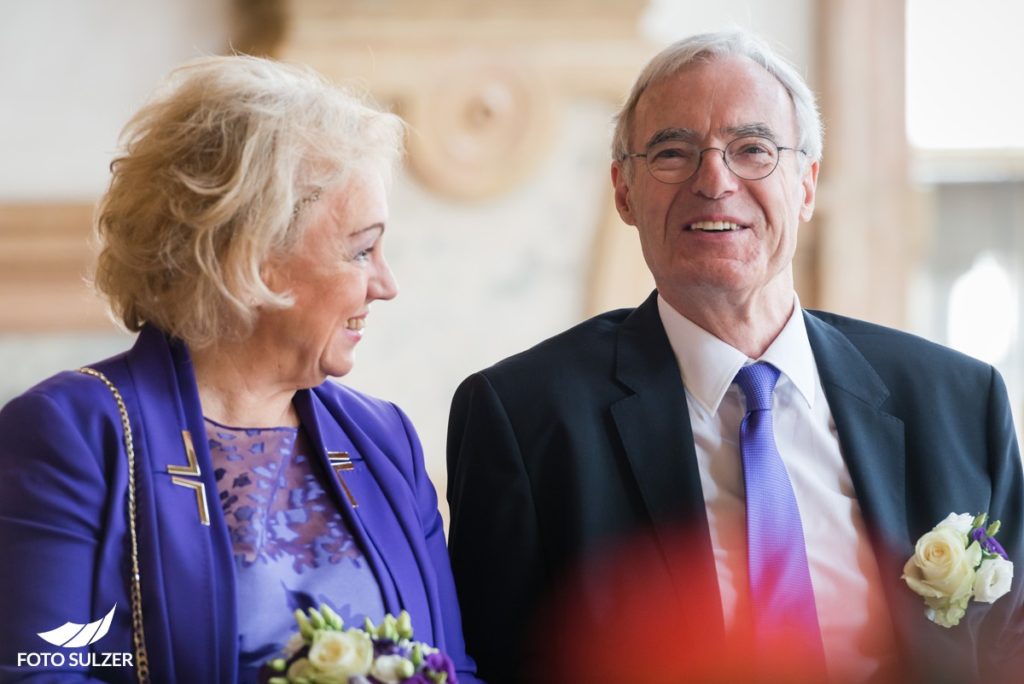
column 751, row 148
column 669, row 153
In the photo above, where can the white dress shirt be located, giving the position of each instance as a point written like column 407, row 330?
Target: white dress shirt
column 855, row 625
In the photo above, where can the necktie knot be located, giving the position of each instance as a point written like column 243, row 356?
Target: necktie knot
column 758, row 382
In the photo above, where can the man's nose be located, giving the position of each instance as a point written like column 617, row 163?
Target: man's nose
column 713, row 179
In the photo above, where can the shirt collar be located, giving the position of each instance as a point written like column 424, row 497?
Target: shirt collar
column 709, row 365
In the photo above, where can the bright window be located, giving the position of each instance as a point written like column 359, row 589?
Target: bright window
column 965, row 62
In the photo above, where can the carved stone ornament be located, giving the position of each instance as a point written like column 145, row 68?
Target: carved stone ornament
column 481, row 83
column 479, row 127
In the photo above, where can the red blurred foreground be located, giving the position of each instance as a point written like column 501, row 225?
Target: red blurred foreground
column 626, row 619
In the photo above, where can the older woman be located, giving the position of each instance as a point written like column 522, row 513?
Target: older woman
column 182, row 498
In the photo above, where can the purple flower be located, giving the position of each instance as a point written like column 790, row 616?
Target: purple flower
column 439, row 662
column 385, row 647
column 988, row 543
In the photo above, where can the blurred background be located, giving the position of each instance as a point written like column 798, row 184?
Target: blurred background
column 502, row 229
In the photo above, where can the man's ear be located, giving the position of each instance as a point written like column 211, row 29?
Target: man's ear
column 810, row 188
column 622, row 185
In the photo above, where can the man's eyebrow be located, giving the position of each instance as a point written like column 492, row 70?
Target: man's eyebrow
column 759, row 129
column 667, row 134
column 762, row 130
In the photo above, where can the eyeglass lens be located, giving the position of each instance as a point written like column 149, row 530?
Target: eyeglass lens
column 750, row 158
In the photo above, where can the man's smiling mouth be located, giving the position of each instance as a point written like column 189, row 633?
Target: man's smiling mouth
column 714, row 226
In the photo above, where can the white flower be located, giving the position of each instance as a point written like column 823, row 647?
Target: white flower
column 941, row 566
column 294, row 644
column 992, row 579
column 392, row 669
column 336, row 656
column 944, row 613
column 300, row 668
column 951, row 565
column 961, row 522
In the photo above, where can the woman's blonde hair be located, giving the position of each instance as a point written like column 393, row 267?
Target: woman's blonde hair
column 215, row 176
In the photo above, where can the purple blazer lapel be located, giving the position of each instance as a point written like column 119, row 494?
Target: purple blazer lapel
column 385, row 521
column 186, row 564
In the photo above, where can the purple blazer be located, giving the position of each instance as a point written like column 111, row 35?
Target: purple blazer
column 64, row 517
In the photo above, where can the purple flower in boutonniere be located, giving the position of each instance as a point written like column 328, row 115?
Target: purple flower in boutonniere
column 958, row 560
column 988, row 542
column 324, row 652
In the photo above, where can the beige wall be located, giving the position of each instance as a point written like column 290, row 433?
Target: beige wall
column 482, row 275
column 502, row 230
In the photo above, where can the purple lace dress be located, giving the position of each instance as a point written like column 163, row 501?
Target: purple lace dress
column 291, row 545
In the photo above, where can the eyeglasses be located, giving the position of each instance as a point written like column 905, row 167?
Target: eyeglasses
column 749, row 158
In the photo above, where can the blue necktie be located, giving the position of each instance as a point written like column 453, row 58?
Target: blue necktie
column 782, row 598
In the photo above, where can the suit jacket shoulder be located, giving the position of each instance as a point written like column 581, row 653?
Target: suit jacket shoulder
column 556, row 359
column 919, row 376
column 879, row 343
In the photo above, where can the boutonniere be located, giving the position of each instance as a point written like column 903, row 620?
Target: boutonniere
column 957, row 561
column 324, row 652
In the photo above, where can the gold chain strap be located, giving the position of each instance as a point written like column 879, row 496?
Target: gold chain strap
column 138, row 635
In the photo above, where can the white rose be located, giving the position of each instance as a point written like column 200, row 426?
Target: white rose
column 392, row 669
column 336, row 656
column 294, row 644
column 300, row 668
column 961, row 522
column 992, row 579
column 945, row 613
column 941, row 567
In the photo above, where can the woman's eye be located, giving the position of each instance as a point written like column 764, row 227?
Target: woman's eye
column 364, row 254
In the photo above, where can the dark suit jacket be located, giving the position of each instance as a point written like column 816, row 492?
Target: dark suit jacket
column 557, row 452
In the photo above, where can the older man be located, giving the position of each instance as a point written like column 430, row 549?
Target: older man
column 795, row 456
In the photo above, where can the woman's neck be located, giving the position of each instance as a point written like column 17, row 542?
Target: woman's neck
column 236, row 389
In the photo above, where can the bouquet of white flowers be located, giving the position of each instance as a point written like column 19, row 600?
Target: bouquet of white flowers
column 957, row 561
column 324, row 652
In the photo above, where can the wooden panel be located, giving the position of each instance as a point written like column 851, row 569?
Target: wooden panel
column 45, row 256
column 866, row 226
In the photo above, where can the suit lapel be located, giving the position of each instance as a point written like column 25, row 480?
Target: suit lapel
column 185, row 564
column 873, row 447
column 871, row 439
column 384, row 528
column 653, row 424
column 660, row 450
